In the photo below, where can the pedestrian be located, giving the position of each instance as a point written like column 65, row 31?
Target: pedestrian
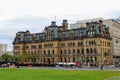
column 101, row 67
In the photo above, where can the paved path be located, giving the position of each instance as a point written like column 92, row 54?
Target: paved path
column 73, row 68
column 114, row 78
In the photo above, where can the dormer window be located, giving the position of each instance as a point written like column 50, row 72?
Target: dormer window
column 33, row 37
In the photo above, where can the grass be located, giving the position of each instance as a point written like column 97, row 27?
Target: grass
column 39, row 74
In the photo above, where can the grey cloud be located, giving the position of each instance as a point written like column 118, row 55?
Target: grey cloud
column 9, row 28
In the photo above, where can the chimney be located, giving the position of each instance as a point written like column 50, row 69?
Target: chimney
column 65, row 24
column 53, row 23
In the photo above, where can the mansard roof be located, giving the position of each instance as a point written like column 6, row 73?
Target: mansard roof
column 54, row 32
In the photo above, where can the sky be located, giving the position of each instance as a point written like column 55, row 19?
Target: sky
column 34, row 15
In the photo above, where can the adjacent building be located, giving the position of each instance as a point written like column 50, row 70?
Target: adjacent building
column 90, row 45
column 3, row 49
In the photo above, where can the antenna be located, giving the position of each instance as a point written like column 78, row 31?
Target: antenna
column 55, row 18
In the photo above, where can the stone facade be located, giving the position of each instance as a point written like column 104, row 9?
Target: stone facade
column 87, row 46
column 114, row 29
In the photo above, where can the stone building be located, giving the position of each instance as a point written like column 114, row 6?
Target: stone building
column 114, row 29
column 86, row 46
column 3, row 49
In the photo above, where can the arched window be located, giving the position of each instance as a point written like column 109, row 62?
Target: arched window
column 60, row 51
column 92, row 42
column 53, row 52
column 48, row 52
column 82, row 51
column 78, row 51
column 65, row 59
column 73, row 44
column 89, row 42
column 64, row 51
column 79, row 43
column 95, row 50
column 91, row 59
column 73, row 51
column 78, row 59
column 87, row 50
column 69, row 59
column 73, row 59
column 87, row 59
column 95, row 59
column 91, row 51
column 69, row 52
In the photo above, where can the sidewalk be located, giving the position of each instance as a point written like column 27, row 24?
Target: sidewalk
column 114, row 78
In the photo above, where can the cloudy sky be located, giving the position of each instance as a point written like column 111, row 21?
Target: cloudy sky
column 33, row 15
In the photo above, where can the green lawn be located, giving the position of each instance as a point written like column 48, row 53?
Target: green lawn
column 39, row 74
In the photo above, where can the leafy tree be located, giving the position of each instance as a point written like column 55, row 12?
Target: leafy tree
column 6, row 57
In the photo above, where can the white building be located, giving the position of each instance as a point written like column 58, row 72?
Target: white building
column 114, row 29
column 3, row 48
column 82, row 23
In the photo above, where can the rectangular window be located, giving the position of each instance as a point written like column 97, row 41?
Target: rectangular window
column 33, row 46
column 27, row 47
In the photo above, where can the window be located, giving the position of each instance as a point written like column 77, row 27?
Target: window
column 16, row 47
column 69, row 52
column 60, row 59
column 69, row 44
column 95, row 59
column 69, row 59
column 87, row 51
column 91, row 51
column 73, row 44
column 44, row 52
column 87, row 43
column 78, row 51
column 87, row 59
column 65, row 59
column 62, row 44
column 27, row 47
column 64, row 51
column 48, row 52
column 60, row 51
column 33, row 46
column 40, row 46
column 73, row 51
column 53, row 59
column 91, row 59
column 82, row 51
column 48, row 45
column 78, row 59
column 73, row 59
column 94, row 42
column 95, row 50
column 79, row 43
column 53, row 52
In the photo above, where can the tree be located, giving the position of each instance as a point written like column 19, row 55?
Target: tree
column 6, row 57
